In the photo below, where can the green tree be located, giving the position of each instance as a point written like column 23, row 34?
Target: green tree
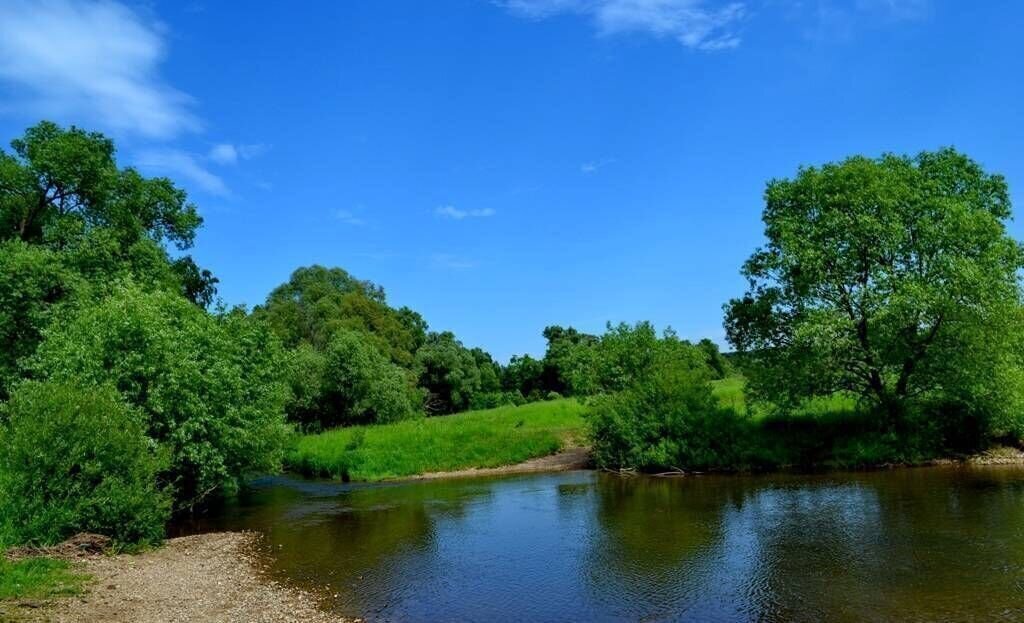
column 569, row 361
column 318, row 302
column 885, row 277
column 525, row 375
column 58, row 176
column 73, row 225
column 361, row 386
column 209, row 386
column 448, row 371
column 713, row 356
column 76, row 459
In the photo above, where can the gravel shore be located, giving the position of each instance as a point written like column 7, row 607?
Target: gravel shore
column 211, row 577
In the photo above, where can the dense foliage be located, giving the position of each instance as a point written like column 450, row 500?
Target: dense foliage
column 669, row 419
column 891, row 278
column 91, row 297
column 76, row 459
column 209, row 385
column 350, row 382
column 318, row 302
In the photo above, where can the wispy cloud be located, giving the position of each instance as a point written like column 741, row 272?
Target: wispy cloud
column 696, row 24
column 593, row 166
column 451, row 212
column 227, row 153
column 896, row 9
column 95, row 62
column 348, row 217
column 838, row 21
column 183, row 165
column 451, row 262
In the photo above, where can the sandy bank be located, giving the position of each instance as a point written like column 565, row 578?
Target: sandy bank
column 568, row 459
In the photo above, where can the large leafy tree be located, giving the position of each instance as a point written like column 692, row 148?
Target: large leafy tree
column 318, row 302
column 59, row 180
column 73, row 225
column 893, row 278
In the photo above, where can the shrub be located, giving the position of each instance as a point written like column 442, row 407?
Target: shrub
column 76, row 459
column 670, row 419
column 209, row 386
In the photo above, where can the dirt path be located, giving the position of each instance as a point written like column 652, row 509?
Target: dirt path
column 211, row 577
column 568, row 459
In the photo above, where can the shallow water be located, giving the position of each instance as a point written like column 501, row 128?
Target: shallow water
column 928, row 544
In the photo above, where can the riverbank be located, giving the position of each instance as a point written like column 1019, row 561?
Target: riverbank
column 215, row 577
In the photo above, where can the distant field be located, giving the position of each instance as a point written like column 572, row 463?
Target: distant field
column 487, row 438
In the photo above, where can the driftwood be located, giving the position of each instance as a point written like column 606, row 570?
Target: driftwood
column 632, row 471
column 78, row 546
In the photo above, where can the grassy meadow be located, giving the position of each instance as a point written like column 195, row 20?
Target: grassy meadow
column 486, row 438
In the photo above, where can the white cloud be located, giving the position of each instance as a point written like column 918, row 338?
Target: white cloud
column 594, row 165
column 90, row 62
column 349, row 218
column 226, row 153
column 694, row 23
column 180, row 163
column 451, row 262
column 451, row 212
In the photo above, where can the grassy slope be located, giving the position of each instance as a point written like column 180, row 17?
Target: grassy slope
column 487, row 438
column 38, row 578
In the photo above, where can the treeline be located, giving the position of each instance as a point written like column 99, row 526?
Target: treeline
column 356, row 360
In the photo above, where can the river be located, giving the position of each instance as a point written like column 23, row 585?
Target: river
column 925, row 544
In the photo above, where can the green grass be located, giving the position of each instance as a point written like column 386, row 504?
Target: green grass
column 729, row 392
column 487, row 438
column 38, row 578
column 824, row 432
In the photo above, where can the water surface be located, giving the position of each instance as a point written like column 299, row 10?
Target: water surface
column 928, row 544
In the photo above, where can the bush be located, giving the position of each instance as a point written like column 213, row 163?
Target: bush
column 209, row 387
column 76, row 459
column 670, row 419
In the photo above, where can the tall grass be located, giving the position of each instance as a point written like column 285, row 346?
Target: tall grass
column 486, row 438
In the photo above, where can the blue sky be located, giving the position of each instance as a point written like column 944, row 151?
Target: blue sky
column 501, row 166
